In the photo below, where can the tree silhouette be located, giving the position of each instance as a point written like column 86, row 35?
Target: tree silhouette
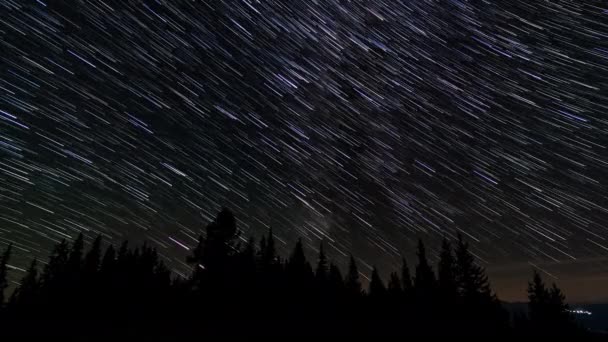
column 406, row 278
column 123, row 252
column 3, row 272
column 481, row 306
column 219, row 244
column 472, row 280
column 234, row 289
column 269, row 251
column 376, row 286
column 198, row 252
column 91, row 259
column 353, row 284
column 394, row 285
column 108, row 262
column 446, row 272
column 298, row 269
column 557, row 303
column 55, row 269
column 538, row 297
column 547, row 310
column 322, row 268
column 75, row 257
column 336, row 282
column 26, row 293
column 424, row 281
column 247, row 256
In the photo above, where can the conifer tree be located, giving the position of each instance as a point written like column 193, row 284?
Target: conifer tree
column 424, row 281
column 269, row 251
column 91, row 259
column 406, row 278
column 353, row 284
column 446, row 272
column 27, row 291
column 394, row 284
column 4, row 259
column 108, row 262
column 472, row 280
column 322, row 269
column 56, row 268
column 75, row 257
column 298, row 269
column 376, row 286
column 336, row 282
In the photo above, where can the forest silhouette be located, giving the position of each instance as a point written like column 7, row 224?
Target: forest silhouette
column 247, row 289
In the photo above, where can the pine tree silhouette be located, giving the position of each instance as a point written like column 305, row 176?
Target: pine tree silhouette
column 198, row 252
column 27, row 292
column 394, row 285
column 108, row 262
column 547, row 310
column 91, row 259
column 336, row 282
column 376, row 286
column 353, row 284
column 271, row 272
column 234, row 289
column 269, row 251
column 538, row 299
column 322, row 269
column 557, row 302
column 55, row 270
column 248, row 256
column 123, row 253
column 107, row 282
column 4, row 272
column 75, row 257
column 481, row 307
column 446, row 273
column 219, row 244
column 298, row 269
column 472, row 280
column 406, row 278
column 262, row 249
column 424, row 281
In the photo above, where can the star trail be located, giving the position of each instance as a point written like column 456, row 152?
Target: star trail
column 365, row 124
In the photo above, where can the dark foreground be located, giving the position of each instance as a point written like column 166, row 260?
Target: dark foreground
column 248, row 290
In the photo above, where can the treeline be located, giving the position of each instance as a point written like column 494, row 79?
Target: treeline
column 248, row 289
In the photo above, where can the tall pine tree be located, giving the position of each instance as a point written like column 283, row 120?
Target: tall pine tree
column 376, row 286
column 219, row 245
column 538, row 299
column 298, row 269
column 55, row 270
column 336, row 282
column 547, row 310
column 269, row 252
column 321, row 270
column 353, row 283
column 27, row 291
column 75, row 257
column 406, row 278
column 4, row 272
column 394, row 285
column 108, row 262
column 91, row 259
column 446, row 272
column 424, row 281
column 472, row 280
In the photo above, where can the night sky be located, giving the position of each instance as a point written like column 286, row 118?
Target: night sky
column 365, row 124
